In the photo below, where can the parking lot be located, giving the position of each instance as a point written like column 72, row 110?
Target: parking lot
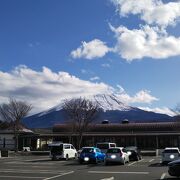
column 38, row 167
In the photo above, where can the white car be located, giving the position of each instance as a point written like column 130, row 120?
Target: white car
column 116, row 155
column 104, row 146
column 170, row 154
column 62, row 151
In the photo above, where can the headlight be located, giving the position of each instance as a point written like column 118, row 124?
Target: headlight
column 129, row 153
column 86, row 159
column 113, row 156
column 172, row 156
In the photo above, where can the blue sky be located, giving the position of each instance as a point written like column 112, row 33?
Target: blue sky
column 51, row 50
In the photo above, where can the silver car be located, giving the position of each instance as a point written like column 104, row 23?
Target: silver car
column 170, row 154
column 116, row 155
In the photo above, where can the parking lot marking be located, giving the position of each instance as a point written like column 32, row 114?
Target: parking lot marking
column 30, row 171
column 151, row 160
column 141, row 160
column 63, row 174
column 111, row 172
column 28, row 163
column 23, row 177
column 111, row 178
column 163, row 176
column 132, row 163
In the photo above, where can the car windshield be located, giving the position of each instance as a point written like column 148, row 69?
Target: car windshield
column 103, row 146
column 113, row 150
column 171, row 151
column 88, row 150
column 56, row 149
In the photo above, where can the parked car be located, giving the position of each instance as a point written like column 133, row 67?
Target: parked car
column 134, row 153
column 116, row 155
column 104, row 146
column 170, row 154
column 59, row 150
column 174, row 168
column 91, row 154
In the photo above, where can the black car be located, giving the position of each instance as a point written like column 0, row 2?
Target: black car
column 134, row 153
column 174, row 168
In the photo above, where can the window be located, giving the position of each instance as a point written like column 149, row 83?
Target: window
column 98, row 150
column 72, row 147
column 124, row 150
column 112, row 145
column 88, row 150
column 66, row 146
column 103, row 146
column 171, row 151
column 113, row 150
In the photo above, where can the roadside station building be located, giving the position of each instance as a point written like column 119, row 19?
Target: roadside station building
column 147, row 136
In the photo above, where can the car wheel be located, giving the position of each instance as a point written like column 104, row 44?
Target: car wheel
column 96, row 161
column 54, row 158
column 137, row 158
column 75, row 156
column 80, row 161
column 106, row 163
column 67, row 157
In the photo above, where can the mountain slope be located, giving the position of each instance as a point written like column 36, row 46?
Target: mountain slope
column 111, row 109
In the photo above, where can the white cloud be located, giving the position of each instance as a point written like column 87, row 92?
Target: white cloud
column 151, row 11
column 163, row 110
column 95, row 78
column 45, row 89
column 145, row 42
column 91, row 50
column 142, row 96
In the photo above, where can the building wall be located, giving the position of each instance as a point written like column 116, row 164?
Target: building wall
column 7, row 141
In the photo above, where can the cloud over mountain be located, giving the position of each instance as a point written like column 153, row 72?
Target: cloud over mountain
column 44, row 89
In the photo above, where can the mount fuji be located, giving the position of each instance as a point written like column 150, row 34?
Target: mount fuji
column 111, row 109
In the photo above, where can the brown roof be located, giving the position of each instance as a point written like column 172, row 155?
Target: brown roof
column 131, row 127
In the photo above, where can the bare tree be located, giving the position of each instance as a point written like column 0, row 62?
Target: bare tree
column 13, row 112
column 81, row 114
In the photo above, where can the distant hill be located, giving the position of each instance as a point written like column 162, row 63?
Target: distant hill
column 111, row 109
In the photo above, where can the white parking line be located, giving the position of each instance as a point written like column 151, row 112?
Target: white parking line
column 141, row 160
column 30, row 171
column 151, row 160
column 111, row 172
column 132, row 163
column 23, row 177
column 163, row 176
column 42, row 159
column 27, row 163
column 59, row 175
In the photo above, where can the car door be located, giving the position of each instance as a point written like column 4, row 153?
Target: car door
column 100, row 154
column 73, row 151
column 67, row 150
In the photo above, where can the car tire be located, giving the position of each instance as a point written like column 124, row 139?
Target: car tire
column 95, row 161
column 80, row 161
column 75, row 156
column 106, row 163
column 137, row 158
column 67, row 157
column 54, row 158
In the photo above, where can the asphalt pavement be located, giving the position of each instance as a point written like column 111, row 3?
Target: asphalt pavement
column 38, row 167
